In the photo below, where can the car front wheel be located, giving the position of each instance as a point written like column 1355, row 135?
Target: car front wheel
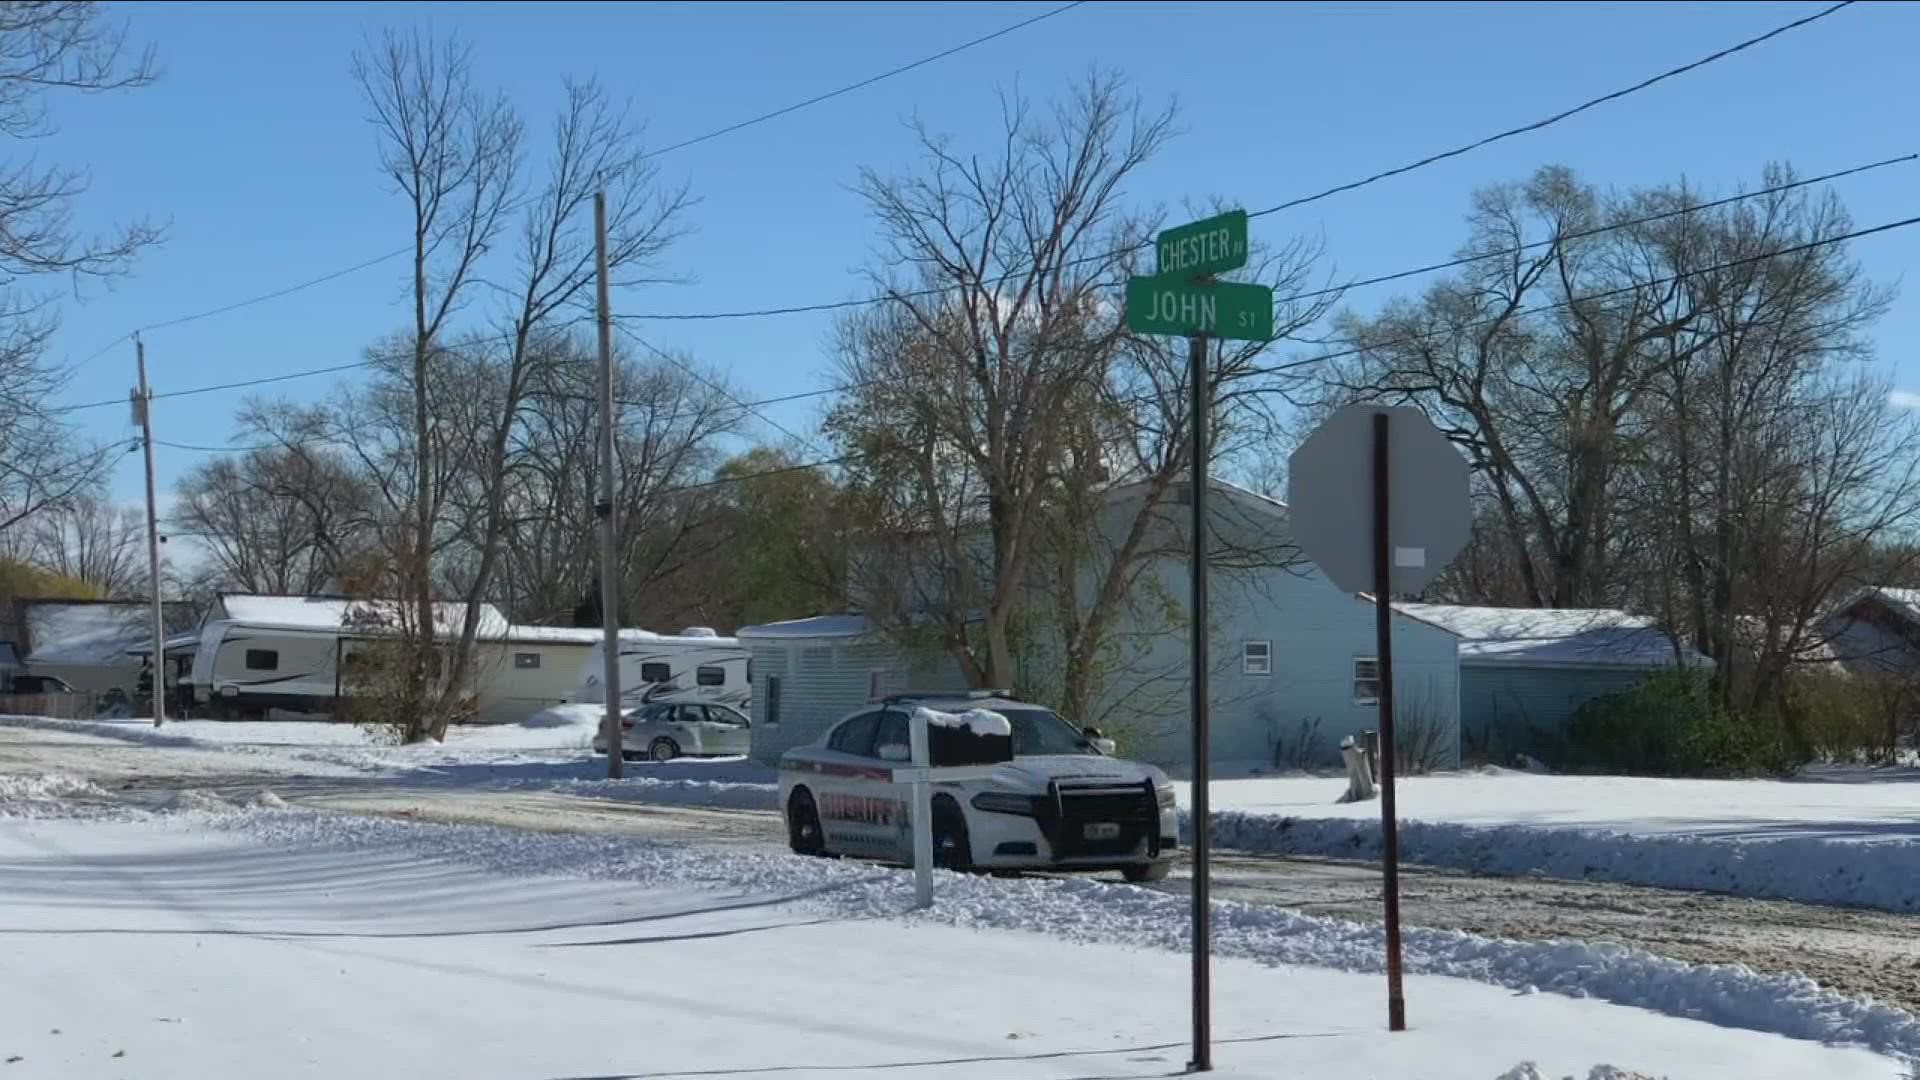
column 952, row 849
column 1140, row 873
column 803, row 825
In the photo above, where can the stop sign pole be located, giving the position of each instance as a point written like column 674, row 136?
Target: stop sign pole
column 1383, row 647
column 1418, row 518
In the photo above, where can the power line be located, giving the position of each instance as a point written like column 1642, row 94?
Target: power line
column 797, row 309
column 869, row 81
column 1562, row 304
column 710, row 384
column 681, row 145
column 756, row 406
column 1324, row 357
column 215, row 449
column 1559, row 116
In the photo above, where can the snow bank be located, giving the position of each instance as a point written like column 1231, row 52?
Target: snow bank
column 1527, row 1070
column 1806, row 839
column 1807, row 869
column 1082, row 910
column 52, row 795
column 984, row 722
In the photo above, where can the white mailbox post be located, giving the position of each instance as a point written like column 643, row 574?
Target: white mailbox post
column 922, row 775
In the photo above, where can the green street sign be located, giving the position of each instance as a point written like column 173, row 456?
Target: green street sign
column 1213, row 246
column 1226, row 309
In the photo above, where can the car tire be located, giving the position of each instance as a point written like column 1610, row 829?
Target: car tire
column 952, row 849
column 663, row 750
column 1141, row 873
column 803, row 825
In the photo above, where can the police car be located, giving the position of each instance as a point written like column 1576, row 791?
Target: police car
column 1062, row 802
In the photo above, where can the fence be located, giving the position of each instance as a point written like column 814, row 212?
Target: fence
column 75, row 706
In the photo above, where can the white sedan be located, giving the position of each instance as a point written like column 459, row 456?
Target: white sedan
column 1060, row 804
column 666, row 730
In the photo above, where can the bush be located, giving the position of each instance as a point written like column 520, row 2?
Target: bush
column 1845, row 718
column 1670, row 726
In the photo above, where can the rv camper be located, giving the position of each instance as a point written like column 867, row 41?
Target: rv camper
column 693, row 665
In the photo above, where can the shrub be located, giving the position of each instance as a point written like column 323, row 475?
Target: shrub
column 1669, row 725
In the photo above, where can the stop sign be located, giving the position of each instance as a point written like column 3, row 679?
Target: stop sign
column 1330, row 498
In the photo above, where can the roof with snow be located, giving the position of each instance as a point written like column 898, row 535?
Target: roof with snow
column 95, row 631
column 337, row 612
column 1542, row 637
column 818, row 626
column 1902, row 602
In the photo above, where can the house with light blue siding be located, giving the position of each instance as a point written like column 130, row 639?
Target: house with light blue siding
column 1524, row 672
column 1293, row 666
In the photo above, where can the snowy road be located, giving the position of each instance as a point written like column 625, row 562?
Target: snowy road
column 1860, row 953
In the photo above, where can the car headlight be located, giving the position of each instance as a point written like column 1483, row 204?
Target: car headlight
column 1003, row 802
column 1164, row 796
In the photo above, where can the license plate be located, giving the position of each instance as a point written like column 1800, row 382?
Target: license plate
column 1100, row 830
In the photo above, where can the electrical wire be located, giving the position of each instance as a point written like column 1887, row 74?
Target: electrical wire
column 703, row 316
column 756, row 406
column 681, row 145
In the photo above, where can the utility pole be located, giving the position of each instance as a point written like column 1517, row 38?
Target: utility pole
column 143, row 410
column 609, row 570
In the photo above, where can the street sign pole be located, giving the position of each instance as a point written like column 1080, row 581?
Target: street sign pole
column 1183, row 299
column 1383, row 663
column 1197, row 633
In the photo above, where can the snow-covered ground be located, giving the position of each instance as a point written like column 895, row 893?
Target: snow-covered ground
column 1803, row 839
column 287, row 943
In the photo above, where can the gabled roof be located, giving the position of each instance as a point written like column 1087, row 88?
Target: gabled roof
column 1904, row 603
column 95, row 631
column 1541, row 637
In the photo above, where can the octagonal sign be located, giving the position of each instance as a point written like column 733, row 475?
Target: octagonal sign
column 1330, row 498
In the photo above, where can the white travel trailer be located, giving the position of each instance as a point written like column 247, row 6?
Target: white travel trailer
column 289, row 653
column 693, row 665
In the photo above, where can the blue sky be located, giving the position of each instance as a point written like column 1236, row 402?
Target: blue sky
column 254, row 145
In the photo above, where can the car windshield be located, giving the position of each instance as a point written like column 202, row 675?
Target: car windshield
column 1042, row 731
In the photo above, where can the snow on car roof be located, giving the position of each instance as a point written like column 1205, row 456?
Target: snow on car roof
column 978, row 721
column 1569, row 637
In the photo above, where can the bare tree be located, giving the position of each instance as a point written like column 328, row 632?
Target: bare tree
column 667, row 426
column 91, row 540
column 1012, row 435
column 594, row 147
column 45, row 48
column 996, row 271
column 454, row 154
column 281, row 520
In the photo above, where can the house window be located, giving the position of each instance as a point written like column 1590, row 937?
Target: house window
column 1256, row 658
column 262, row 660
column 710, row 676
column 656, row 673
column 773, row 699
column 1366, row 680
column 526, row 661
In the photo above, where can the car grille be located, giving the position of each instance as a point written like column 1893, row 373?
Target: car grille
column 1083, row 820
